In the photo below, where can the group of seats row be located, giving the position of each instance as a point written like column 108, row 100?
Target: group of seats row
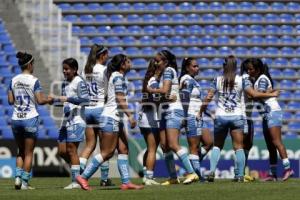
column 184, row 6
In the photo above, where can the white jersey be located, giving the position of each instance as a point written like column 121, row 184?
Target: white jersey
column 229, row 102
column 75, row 90
column 170, row 74
column 262, row 84
column 97, row 84
column 23, row 87
column 117, row 83
column 247, row 103
column 190, row 85
column 148, row 116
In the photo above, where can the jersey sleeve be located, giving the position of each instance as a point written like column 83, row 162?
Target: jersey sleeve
column 153, row 83
column 168, row 75
column 246, row 83
column 37, row 86
column 263, row 85
column 119, row 84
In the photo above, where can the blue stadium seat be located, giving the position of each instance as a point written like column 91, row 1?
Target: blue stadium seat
column 87, row 18
column 275, row 73
column 185, row 6
column 241, row 39
column 271, row 39
column 216, row 6
column 98, row 40
column 246, row 5
column 147, row 40
column 241, row 17
column 180, row 30
column 290, row 135
column 113, row 40
column 85, row 41
column 139, row 62
column 132, row 74
column 226, row 29
column 169, row 6
column 153, row 6
column 271, row 29
column 241, row 29
column 209, row 17
column 116, row 50
column 139, row 6
column 142, row 72
column 270, row 17
column 287, row 115
column 261, row 6
column 208, row 72
column 225, row 51
column 193, row 51
column 89, row 29
column 6, row 133
column 285, row 95
column 133, row 18
column 163, row 18
column 294, row 126
column 177, row 40
column 209, row 51
column 104, row 30
column 223, row 40
column 149, row 51
column 231, row 6
column 297, row 18
column 85, row 50
column 70, row 18
column 241, row 51
column 109, row 6
column 297, row 51
column 287, row 51
column 132, row 51
column 205, row 84
column 256, row 29
column 207, row 40
column 203, row 62
column 289, row 73
column 297, row 115
column 295, row 62
column 76, row 30
column 179, row 51
column 226, row 18
column 211, row 29
column 193, row 18
column 118, row 30
column 64, row 6
column 200, row 6
column 217, row 62
column 272, row 51
column 117, row 18
column 296, row 95
column 280, row 62
column 194, row 40
column 286, row 17
column 293, row 6
column 256, row 51
column 286, row 39
column 150, row 30
column 162, row 40
column 134, row 29
column 101, row 18
column 286, row 29
column 124, row 6
column 277, row 6
column 165, row 30
column 256, row 17
column 257, row 40
column 79, row 6
column 178, row 18
column 148, row 18
column 195, row 29
column 268, row 61
column 93, row 6
column 6, row 72
column 129, row 40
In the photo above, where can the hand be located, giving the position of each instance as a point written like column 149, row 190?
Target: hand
column 132, row 122
column 63, row 99
column 173, row 98
column 276, row 93
column 149, row 89
column 50, row 99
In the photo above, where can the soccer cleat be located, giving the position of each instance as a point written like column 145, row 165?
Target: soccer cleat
column 18, row 183
column 287, row 174
column 26, row 187
column 248, row 178
column 72, row 185
column 270, row 178
column 149, row 181
column 171, row 181
column 106, row 183
column 190, row 178
column 144, row 179
column 211, row 177
column 83, row 183
column 131, row 186
column 239, row 179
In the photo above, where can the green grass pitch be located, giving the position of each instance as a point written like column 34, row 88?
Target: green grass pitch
column 51, row 188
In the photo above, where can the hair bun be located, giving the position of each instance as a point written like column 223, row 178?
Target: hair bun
column 20, row 54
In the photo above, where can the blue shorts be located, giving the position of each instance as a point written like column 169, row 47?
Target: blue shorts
column 73, row 133
column 223, row 124
column 93, row 115
column 172, row 119
column 27, row 128
column 194, row 126
column 110, row 125
column 273, row 118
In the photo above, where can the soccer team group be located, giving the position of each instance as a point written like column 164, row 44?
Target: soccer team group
column 95, row 104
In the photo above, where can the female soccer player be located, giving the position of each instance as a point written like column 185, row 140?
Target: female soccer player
column 229, row 114
column 148, row 121
column 191, row 101
column 172, row 116
column 74, row 98
column 112, row 127
column 272, row 119
column 94, row 74
column 24, row 93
